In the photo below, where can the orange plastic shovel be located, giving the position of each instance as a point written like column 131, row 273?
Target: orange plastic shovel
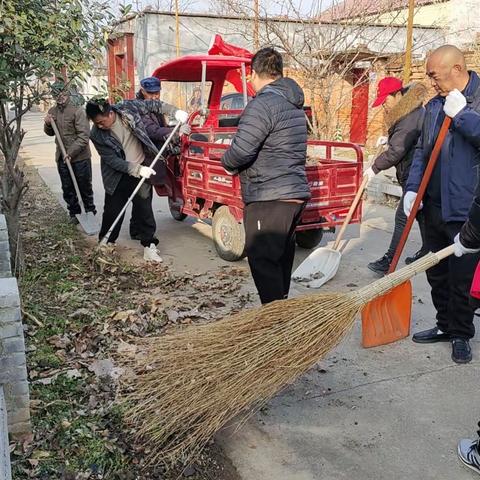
column 387, row 318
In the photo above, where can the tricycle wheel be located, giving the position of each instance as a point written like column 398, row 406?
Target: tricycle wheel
column 228, row 235
column 176, row 209
column 309, row 238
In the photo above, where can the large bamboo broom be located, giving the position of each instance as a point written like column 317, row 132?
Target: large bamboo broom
column 183, row 387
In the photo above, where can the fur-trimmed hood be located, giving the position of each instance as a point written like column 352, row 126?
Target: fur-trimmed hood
column 414, row 97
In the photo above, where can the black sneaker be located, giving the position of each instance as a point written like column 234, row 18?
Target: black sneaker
column 433, row 335
column 416, row 256
column 74, row 220
column 381, row 265
column 461, row 351
column 469, row 453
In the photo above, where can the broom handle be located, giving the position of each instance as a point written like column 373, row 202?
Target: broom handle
column 69, row 165
column 421, row 191
column 389, row 282
column 104, row 240
column 351, row 211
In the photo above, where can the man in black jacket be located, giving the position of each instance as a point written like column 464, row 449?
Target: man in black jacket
column 269, row 153
column 468, row 242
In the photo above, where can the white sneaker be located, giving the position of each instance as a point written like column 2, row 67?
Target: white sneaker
column 150, row 254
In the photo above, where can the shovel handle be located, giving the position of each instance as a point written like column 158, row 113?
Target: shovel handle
column 350, row 213
column 421, row 191
column 69, row 165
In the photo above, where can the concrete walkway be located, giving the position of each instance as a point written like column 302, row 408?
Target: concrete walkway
column 389, row 413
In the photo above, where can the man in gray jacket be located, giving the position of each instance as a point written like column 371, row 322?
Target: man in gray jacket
column 269, row 153
column 74, row 129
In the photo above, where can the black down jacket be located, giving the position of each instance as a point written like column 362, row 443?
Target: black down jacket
column 404, row 128
column 270, row 147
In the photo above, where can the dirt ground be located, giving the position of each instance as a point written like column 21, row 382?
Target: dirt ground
column 75, row 316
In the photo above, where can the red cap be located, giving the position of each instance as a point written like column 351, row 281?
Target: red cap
column 387, row 86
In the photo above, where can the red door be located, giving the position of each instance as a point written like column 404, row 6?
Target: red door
column 359, row 115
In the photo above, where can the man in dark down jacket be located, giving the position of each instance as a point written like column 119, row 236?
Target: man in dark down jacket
column 468, row 242
column 449, row 194
column 269, row 153
column 74, row 129
column 123, row 145
column 404, row 119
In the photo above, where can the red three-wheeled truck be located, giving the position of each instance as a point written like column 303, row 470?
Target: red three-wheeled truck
column 198, row 186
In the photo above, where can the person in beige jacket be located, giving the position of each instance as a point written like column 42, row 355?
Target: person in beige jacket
column 74, row 129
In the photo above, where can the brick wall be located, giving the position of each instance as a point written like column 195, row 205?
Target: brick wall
column 13, row 368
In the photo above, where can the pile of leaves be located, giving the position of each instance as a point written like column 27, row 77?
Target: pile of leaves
column 76, row 318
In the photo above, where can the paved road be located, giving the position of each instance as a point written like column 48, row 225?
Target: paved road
column 389, row 413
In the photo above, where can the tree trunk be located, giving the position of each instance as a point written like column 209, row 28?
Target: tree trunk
column 15, row 240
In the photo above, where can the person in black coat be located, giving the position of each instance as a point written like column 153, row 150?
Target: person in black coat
column 269, row 153
column 468, row 242
column 156, row 126
column 404, row 118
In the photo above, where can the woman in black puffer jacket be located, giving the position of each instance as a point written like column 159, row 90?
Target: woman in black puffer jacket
column 404, row 119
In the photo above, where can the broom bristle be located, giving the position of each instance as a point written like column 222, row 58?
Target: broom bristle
column 186, row 385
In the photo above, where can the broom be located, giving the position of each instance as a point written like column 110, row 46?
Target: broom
column 184, row 386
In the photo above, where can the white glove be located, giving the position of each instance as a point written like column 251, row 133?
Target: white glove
column 460, row 250
column 369, row 173
column 185, row 129
column 454, row 103
column 381, row 141
column 146, row 172
column 181, row 116
column 408, row 201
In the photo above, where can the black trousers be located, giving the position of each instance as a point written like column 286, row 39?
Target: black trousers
column 270, row 245
column 83, row 173
column 141, row 207
column 400, row 222
column 451, row 279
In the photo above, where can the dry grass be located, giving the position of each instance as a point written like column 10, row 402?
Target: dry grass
column 184, row 386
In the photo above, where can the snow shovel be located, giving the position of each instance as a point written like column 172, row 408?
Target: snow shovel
column 86, row 219
column 387, row 318
column 104, row 240
column 322, row 264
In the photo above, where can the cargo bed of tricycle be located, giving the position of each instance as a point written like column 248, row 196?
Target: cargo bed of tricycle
column 198, row 186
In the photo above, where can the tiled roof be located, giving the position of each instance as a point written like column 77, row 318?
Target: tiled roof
column 358, row 8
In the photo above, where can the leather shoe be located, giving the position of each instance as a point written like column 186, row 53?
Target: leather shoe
column 433, row 335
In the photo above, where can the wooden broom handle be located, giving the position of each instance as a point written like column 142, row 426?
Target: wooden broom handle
column 421, row 191
column 351, row 211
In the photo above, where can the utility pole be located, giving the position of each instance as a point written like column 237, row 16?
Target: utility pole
column 255, row 24
column 177, row 29
column 408, row 51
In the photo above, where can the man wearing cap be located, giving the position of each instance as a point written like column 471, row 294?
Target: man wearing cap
column 74, row 129
column 404, row 114
column 449, row 194
column 158, row 130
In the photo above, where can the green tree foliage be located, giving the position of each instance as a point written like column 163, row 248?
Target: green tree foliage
column 39, row 40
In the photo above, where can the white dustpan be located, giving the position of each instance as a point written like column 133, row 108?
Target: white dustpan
column 318, row 268
column 322, row 264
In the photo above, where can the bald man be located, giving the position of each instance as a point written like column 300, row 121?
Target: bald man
column 449, row 194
